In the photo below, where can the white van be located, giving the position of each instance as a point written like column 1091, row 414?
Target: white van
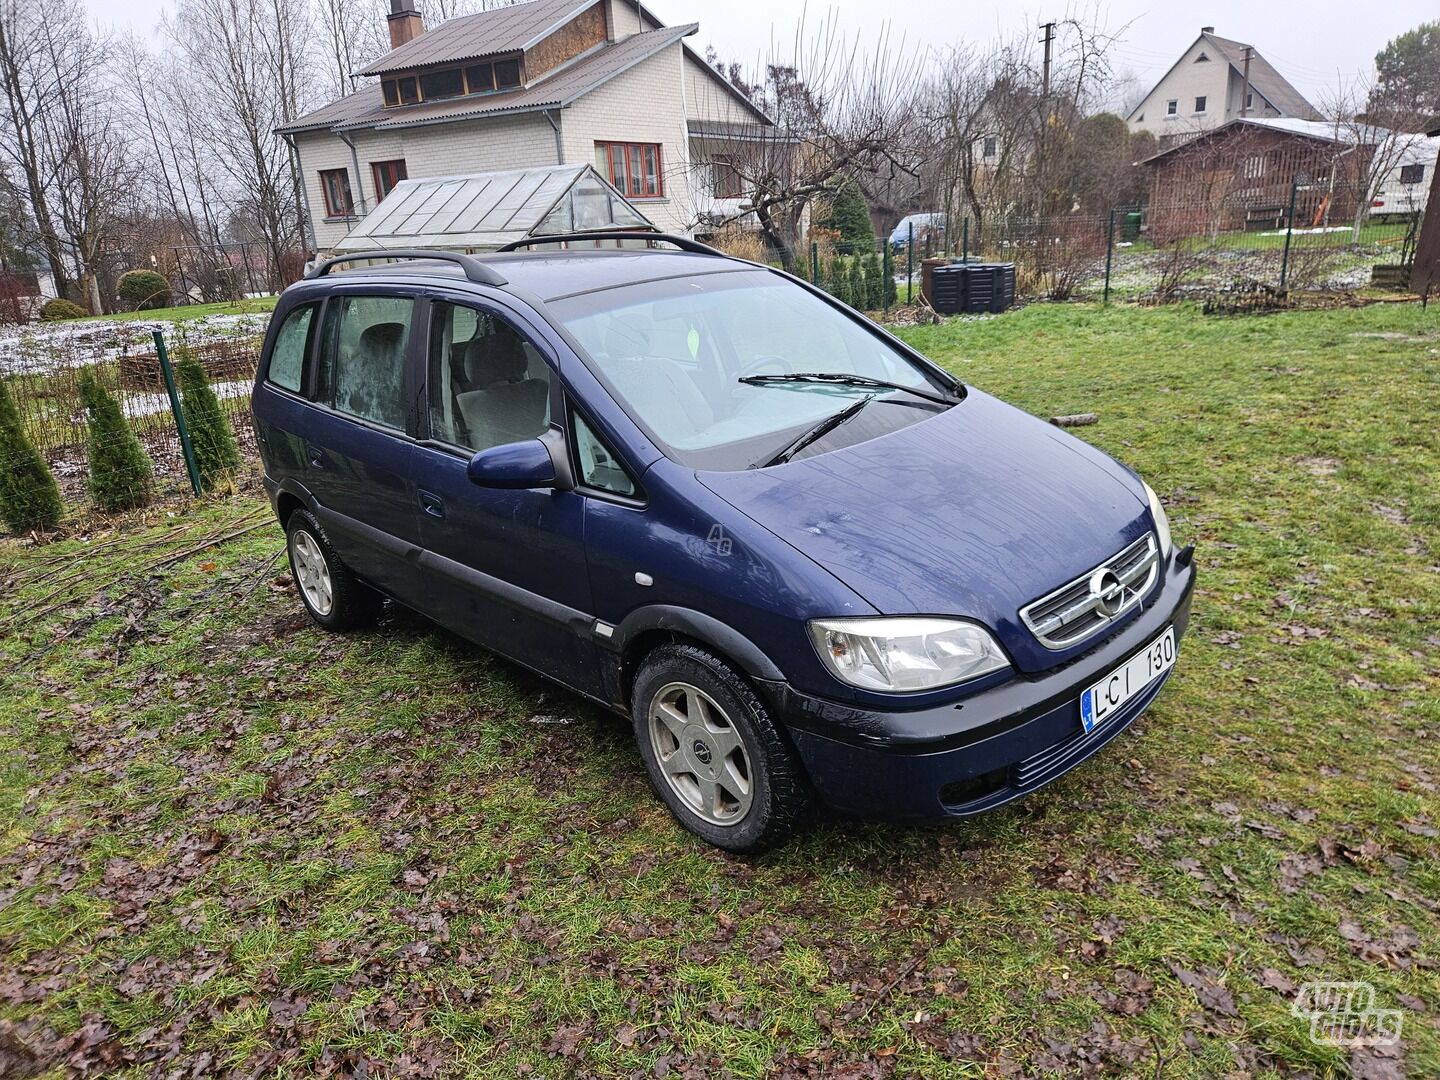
column 1403, row 189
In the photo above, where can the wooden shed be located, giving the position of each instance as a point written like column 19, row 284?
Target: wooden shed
column 1239, row 177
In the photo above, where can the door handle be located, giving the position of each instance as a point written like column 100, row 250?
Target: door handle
column 432, row 504
column 316, row 455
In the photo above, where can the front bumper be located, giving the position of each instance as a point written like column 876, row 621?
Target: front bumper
column 960, row 759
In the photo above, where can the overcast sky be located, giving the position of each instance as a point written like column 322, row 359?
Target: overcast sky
column 1308, row 44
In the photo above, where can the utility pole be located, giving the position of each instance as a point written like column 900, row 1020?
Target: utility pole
column 1041, row 150
column 1049, row 39
column 1245, row 90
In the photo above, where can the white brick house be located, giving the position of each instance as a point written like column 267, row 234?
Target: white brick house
column 1216, row 80
column 548, row 82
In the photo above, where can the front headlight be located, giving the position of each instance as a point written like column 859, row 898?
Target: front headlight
column 898, row 655
column 1162, row 523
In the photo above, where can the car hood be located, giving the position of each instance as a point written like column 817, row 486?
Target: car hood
column 974, row 512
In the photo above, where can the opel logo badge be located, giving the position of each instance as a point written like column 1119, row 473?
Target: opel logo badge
column 701, row 750
column 1106, row 592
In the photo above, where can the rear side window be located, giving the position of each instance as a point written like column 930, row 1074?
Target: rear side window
column 487, row 384
column 362, row 357
column 292, row 345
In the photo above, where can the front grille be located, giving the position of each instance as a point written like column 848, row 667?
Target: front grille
column 1075, row 611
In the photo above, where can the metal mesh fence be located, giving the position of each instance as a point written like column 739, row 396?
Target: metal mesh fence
column 43, row 373
column 1205, row 249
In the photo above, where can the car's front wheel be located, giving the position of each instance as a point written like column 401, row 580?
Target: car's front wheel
column 713, row 753
column 333, row 596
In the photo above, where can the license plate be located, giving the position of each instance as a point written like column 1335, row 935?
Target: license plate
column 1122, row 684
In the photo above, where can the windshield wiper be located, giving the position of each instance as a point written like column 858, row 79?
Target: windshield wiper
column 819, row 431
column 840, row 378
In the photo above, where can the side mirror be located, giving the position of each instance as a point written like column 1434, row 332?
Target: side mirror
column 514, row 465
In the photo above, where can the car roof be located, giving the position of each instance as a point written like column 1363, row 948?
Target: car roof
column 550, row 275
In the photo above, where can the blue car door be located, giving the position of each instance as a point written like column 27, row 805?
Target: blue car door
column 358, row 451
column 506, row 569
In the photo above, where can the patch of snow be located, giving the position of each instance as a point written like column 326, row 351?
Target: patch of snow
column 137, row 405
column 1310, row 232
column 44, row 348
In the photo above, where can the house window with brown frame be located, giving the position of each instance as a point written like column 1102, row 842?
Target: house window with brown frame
column 401, row 91
column 335, row 186
column 387, row 175
column 727, row 181
column 438, row 85
column 480, row 78
column 634, row 168
column 507, row 74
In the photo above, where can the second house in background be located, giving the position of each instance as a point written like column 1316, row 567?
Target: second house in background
column 548, row 82
column 1216, row 80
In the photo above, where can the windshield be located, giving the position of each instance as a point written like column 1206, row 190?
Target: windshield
column 674, row 354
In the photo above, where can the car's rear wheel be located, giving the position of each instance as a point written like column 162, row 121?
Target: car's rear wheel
column 333, row 596
column 713, row 753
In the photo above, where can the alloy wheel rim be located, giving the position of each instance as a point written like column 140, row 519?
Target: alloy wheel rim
column 312, row 572
column 701, row 754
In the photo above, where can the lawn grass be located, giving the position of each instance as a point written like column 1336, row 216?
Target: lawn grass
column 1372, row 234
column 234, row 841
column 188, row 312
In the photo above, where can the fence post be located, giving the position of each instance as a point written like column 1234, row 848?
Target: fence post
column 965, row 240
column 814, row 262
column 1289, row 229
column 186, row 449
column 1109, row 252
column 910, row 265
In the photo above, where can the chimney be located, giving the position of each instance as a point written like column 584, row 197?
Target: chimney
column 1203, row 29
column 405, row 22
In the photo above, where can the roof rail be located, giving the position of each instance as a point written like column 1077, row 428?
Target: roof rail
column 684, row 243
column 475, row 270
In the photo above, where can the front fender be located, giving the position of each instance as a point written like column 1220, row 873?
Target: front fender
column 703, row 628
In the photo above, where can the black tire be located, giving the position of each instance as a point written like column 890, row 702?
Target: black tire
column 352, row 604
column 778, row 794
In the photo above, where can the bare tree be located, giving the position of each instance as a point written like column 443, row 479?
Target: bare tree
column 981, row 110
column 29, row 87
column 248, row 59
column 1373, row 150
column 840, row 111
column 351, row 34
column 68, row 138
column 169, row 120
column 93, row 171
column 1008, row 145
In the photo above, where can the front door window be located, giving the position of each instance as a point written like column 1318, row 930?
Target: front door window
column 487, row 384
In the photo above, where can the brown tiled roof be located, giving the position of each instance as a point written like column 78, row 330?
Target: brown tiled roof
column 366, row 108
column 1316, row 130
column 503, row 30
column 1265, row 80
